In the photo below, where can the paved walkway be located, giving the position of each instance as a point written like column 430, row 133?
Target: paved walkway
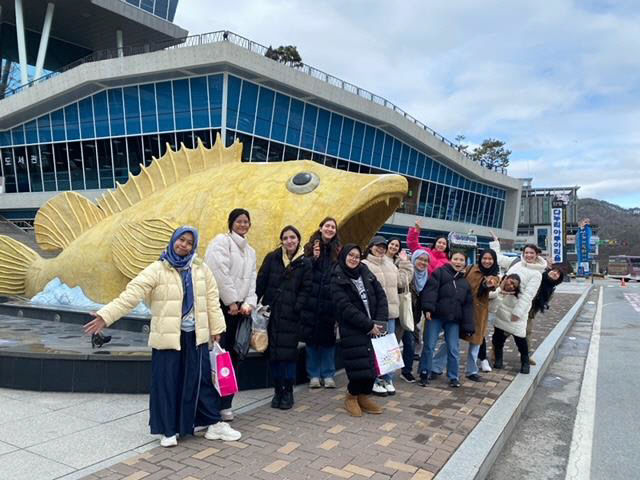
column 73, row 435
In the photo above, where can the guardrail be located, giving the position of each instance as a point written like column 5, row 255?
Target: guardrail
column 227, row 36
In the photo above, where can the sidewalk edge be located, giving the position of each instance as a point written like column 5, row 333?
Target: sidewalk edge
column 476, row 455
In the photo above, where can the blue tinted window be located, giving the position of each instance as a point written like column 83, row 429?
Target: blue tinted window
column 44, row 129
column 181, row 104
column 148, row 106
column 233, row 101
column 309, row 126
column 358, row 139
column 295, row 121
column 265, row 111
column 280, row 114
column 248, row 101
column 85, row 106
column 147, row 5
column 71, row 119
column 428, row 167
column 31, row 132
column 442, row 173
column 386, row 154
column 404, row 159
column 116, row 111
column 449, row 177
column 164, row 99
column 378, row 148
column 161, row 8
column 215, row 99
column 57, row 125
column 395, row 155
column 367, row 146
column 322, row 130
column 335, row 126
column 413, row 162
column 345, row 141
column 101, row 114
column 199, row 102
column 132, row 110
column 5, row 137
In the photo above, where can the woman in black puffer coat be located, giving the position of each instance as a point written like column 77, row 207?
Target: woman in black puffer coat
column 284, row 283
column 318, row 329
column 360, row 300
column 448, row 305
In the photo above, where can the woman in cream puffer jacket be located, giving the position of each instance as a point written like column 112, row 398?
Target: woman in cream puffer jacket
column 185, row 308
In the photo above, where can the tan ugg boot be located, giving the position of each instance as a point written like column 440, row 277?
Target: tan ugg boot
column 368, row 405
column 351, row 405
column 532, row 361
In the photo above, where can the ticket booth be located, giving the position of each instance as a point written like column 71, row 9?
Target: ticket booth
column 468, row 243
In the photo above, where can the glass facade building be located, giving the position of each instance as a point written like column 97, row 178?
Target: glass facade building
column 98, row 140
column 165, row 9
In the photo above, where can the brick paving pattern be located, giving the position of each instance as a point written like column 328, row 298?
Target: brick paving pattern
column 414, row 437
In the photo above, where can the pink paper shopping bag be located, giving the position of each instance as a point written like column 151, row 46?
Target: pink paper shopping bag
column 223, row 375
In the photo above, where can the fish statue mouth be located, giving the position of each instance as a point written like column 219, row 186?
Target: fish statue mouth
column 371, row 208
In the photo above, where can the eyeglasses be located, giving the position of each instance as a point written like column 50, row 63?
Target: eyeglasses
column 353, row 256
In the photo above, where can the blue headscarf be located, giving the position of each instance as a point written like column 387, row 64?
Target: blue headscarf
column 419, row 278
column 183, row 264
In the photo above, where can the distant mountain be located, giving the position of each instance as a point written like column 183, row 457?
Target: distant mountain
column 614, row 223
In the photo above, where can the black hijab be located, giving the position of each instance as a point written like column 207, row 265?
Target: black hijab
column 495, row 268
column 352, row 273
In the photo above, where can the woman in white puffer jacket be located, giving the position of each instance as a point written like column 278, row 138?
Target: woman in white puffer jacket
column 529, row 268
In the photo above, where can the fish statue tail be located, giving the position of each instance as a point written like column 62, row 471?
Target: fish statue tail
column 15, row 260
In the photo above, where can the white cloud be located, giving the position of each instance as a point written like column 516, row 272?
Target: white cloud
column 558, row 81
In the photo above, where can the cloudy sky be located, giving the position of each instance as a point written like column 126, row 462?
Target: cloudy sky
column 558, row 81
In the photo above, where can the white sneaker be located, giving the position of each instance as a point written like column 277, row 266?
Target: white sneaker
column 169, row 441
column 222, row 431
column 329, row 383
column 379, row 389
column 314, row 383
column 227, row 415
column 391, row 390
column 484, row 365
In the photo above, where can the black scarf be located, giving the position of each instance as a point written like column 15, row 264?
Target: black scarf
column 352, row 273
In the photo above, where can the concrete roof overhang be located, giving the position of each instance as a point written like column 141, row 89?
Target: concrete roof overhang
column 91, row 24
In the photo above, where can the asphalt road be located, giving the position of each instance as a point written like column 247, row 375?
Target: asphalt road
column 616, row 435
column 607, row 430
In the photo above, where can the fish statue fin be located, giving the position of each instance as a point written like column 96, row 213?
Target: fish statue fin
column 138, row 244
column 15, row 260
column 64, row 218
column 168, row 170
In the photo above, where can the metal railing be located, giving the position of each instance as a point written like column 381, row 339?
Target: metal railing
column 227, row 36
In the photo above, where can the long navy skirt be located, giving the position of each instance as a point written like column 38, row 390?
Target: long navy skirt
column 182, row 393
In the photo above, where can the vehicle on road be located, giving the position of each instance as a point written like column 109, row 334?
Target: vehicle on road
column 624, row 266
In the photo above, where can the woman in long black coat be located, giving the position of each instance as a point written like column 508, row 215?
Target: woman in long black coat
column 318, row 329
column 360, row 300
column 284, row 283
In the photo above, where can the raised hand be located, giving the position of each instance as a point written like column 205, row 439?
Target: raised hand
column 418, row 224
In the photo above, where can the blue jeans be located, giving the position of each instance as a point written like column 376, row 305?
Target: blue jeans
column 440, row 358
column 391, row 330
column 321, row 361
column 408, row 350
column 431, row 332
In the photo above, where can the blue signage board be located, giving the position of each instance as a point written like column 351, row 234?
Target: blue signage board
column 583, row 249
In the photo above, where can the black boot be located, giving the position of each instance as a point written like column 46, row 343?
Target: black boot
column 497, row 351
column 524, row 363
column 287, row 395
column 276, row 401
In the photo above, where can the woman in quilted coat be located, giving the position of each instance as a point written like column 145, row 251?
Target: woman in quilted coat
column 185, row 315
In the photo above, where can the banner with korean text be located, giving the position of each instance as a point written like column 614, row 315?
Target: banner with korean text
column 557, row 235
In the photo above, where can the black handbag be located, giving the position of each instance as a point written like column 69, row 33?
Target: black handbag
column 243, row 337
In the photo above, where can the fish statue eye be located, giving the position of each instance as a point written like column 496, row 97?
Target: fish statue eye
column 303, row 182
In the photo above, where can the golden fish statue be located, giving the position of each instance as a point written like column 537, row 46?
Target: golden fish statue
column 105, row 244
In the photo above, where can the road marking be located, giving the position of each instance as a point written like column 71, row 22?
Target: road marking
column 634, row 300
column 579, row 464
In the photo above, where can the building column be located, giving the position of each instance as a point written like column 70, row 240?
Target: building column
column 44, row 40
column 22, row 44
column 119, row 43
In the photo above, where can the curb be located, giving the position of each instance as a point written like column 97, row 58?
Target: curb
column 476, row 455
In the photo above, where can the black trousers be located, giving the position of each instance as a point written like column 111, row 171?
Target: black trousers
column 482, row 353
column 500, row 336
column 182, row 393
column 361, row 386
column 227, row 341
